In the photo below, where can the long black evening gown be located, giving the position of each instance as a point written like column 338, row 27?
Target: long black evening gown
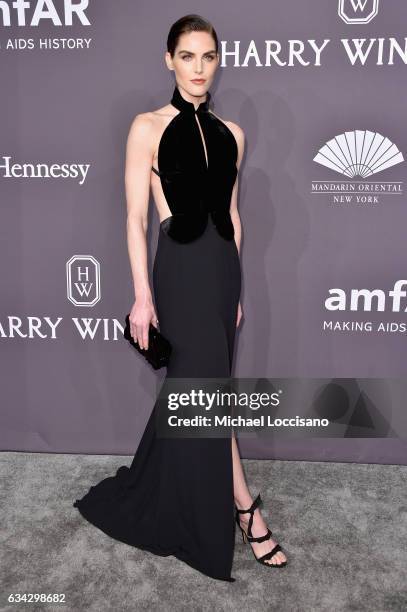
column 176, row 498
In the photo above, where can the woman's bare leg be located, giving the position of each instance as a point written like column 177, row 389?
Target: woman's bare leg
column 244, row 500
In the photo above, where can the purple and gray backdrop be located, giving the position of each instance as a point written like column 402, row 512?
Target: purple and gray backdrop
column 319, row 88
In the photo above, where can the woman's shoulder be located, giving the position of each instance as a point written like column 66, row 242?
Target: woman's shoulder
column 149, row 123
column 141, row 126
column 149, row 119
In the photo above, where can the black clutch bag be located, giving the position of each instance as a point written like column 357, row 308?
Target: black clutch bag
column 159, row 348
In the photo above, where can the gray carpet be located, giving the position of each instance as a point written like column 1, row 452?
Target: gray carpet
column 343, row 527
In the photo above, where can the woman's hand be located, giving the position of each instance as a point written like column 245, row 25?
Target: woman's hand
column 239, row 314
column 141, row 315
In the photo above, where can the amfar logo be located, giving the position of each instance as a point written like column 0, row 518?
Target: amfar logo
column 83, row 280
column 358, row 11
column 338, row 299
column 44, row 9
column 359, row 153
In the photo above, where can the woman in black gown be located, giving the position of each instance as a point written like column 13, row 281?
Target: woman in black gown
column 182, row 496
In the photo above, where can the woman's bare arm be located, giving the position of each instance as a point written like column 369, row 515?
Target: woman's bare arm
column 139, row 154
column 234, row 213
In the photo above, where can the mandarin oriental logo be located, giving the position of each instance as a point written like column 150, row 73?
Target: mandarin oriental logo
column 358, row 11
column 357, row 154
column 83, row 280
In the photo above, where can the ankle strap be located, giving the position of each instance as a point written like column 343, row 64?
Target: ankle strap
column 253, row 507
column 267, row 536
column 251, row 510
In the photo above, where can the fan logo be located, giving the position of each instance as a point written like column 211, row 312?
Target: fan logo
column 358, row 11
column 358, row 154
column 83, row 280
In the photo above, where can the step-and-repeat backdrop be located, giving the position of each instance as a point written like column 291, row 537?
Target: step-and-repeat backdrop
column 319, row 88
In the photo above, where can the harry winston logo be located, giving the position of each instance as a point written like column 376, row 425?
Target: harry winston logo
column 358, row 11
column 83, row 280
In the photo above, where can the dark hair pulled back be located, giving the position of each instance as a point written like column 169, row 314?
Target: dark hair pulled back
column 189, row 23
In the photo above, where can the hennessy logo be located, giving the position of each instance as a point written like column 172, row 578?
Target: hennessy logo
column 83, row 280
column 358, row 11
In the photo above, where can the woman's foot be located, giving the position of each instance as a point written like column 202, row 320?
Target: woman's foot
column 259, row 528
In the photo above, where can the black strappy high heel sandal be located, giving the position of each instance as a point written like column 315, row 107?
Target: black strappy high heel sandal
column 248, row 537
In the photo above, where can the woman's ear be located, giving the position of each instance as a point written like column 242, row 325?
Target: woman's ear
column 168, row 61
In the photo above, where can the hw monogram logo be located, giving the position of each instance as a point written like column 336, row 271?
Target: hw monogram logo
column 83, row 280
column 358, row 11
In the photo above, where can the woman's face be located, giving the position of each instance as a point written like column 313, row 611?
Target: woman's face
column 194, row 58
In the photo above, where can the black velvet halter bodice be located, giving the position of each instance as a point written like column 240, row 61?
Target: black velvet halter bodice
column 193, row 187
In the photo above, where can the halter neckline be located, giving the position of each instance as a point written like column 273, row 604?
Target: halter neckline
column 181, row 104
